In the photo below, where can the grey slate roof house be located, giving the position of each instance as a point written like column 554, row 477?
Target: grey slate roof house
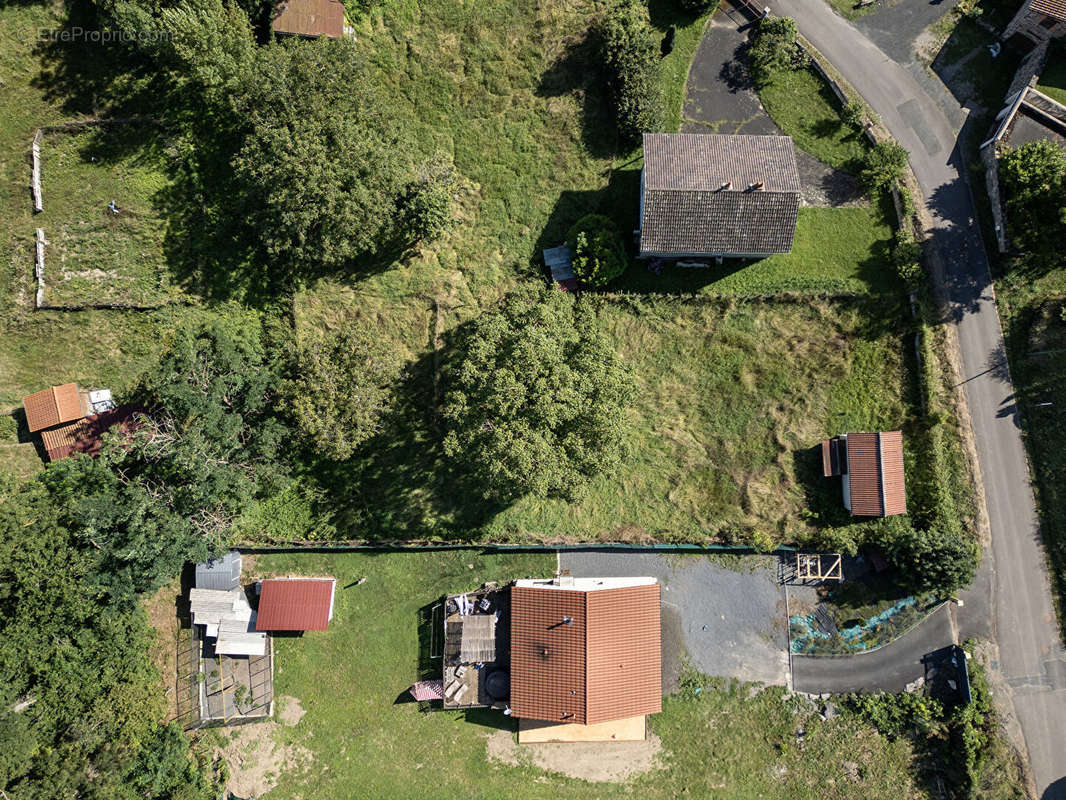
column 711, row 195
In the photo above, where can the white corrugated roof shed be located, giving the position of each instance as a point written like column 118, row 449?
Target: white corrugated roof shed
column 240, row 638
column 210, row 607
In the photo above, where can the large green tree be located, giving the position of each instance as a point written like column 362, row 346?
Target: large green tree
column 341, row 387
column 537, row 403
column 80, row 705
column 1034, row 183
column 630, row 54
column 212, row 441
column 322, row 165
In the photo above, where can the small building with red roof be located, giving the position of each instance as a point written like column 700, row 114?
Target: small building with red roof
column 295, row 604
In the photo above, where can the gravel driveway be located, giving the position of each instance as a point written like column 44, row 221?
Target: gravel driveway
column 728, row 623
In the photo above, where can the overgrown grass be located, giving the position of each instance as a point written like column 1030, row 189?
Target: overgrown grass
column 363, row 745
column 95, row 256
column 732, row 399
column 806, row 109
column 836, row 250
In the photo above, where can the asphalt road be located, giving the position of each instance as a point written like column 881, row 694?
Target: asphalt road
column 889, row 668
column 1031, row 653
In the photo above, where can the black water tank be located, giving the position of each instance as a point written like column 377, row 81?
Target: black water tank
column 498, row 684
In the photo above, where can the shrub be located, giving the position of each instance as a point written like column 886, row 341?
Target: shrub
column 598, row 255
column 853, row 114
column 906, row 256
column 883, row 165
column 341, row 388
column 1034, row 183
column 427, row 202
column 775, row 47
column 630, row 52
column 937, row 560
column 537, row 404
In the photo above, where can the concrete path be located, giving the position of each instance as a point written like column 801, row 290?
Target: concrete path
column 1031, row 653
column 727, row 622
column 889, row 668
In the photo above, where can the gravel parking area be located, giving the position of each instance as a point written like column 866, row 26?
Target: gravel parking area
column 727, row 622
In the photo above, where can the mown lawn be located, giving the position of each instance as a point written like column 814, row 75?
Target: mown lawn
column 805, row 108
column 719, row 743
column 836, row 250
column 95, row 256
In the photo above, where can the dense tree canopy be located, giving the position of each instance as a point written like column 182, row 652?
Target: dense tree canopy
column 80, row 705
column 1034, row 183
column 323, row 166
column 211, row 442
column 630, row 53
column 341, row 387
column 538, row 402
column 883, row 165
column 936, row 560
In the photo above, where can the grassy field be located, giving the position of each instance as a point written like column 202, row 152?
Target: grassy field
column 732, row 397
column 836, row 250
column 719, row 743
column 850, row 9
column 94, row 256
column 806, row 109
column 42, row 348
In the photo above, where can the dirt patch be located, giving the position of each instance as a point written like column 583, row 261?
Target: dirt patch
column 256, row 758
column 602, row 762
column 162, row 610
column 290, row 711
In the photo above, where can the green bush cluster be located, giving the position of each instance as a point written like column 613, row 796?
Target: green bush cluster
column 883, row 165
column 775, row 48
column 427, row 205
column 907, row 258
column 697, row 6
column 630, row 55
column 598, row 256
column 1034, row 190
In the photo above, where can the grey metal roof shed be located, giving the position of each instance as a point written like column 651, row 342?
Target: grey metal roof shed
column 222, row 573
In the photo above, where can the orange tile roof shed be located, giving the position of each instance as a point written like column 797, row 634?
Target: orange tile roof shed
column 312, row 18
column 875, row 474
column 605, row 664
column 295, row 604
column 53, row 406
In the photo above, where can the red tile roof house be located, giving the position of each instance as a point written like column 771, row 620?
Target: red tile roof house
column 715, row 196
column 309, row 19
column 1038, row 21
column 870, row 466
column 295, row 604
column 586, row 658
column 63, row 417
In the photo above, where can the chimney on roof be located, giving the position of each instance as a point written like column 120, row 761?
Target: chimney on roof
column 563, row 578
column 726, row 186
column 754, row 187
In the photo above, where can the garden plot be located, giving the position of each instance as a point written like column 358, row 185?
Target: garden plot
column 101, row 219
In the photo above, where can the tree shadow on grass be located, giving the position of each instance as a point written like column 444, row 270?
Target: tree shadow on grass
column 578, row 71
column 401, row 485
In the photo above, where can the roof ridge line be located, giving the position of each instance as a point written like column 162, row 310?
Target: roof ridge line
column 881, row 475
